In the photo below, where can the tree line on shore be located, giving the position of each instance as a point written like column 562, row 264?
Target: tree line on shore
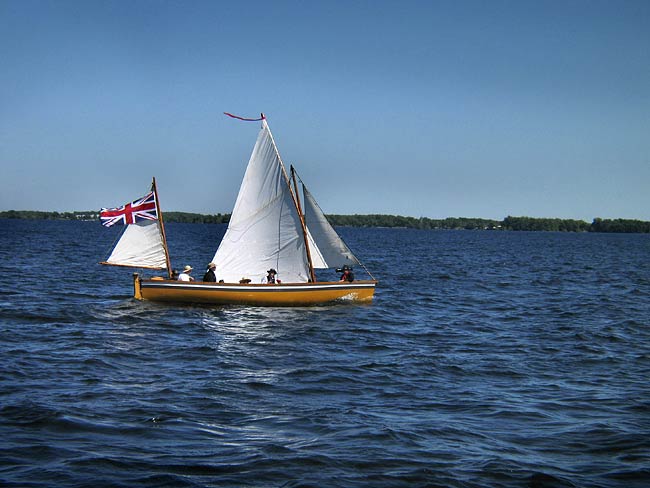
column 381, row 220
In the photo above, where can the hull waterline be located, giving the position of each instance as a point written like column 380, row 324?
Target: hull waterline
column 286, row 294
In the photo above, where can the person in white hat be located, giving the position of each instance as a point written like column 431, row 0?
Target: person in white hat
column 185, row 275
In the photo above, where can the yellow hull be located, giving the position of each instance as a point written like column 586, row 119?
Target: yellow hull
column 285, row 294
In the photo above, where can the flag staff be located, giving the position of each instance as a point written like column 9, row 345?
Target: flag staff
column 161, row 225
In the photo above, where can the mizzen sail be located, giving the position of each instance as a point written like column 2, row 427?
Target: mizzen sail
column 140, row 246
column 142, row 243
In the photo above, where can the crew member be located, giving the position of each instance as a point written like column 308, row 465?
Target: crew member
column 347, row 275
column 209, row 275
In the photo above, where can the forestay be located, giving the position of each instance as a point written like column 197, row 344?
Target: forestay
column 265, row 230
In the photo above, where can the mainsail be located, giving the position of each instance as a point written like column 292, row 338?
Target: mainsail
column 265, row 230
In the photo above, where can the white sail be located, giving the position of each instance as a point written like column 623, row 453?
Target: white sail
column 332, row 250
column 317, row 259
column 265, row 230
column 140, row 246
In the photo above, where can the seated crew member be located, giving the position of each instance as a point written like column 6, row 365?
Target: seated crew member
column 185, row 275
column 209, row 275
column 270, row 277
column 347, row 275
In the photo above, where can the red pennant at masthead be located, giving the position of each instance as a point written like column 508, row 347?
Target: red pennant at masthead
column 244, row 118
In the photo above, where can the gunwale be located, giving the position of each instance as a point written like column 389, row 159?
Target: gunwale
column 164, row 290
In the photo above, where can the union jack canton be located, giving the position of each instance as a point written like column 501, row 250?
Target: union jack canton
column 142, row 209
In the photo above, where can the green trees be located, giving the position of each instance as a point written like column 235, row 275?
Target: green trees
column 619, row 225
column 183, row 217
column 569, row 225
column 379, row 220
column 539, row 224
column 40, row 215
column 195, row 218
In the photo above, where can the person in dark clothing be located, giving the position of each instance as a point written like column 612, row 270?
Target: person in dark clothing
column 209, row 275
column 271, row 277
column 347, row 275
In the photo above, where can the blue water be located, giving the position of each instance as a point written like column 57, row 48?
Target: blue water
column 488, row 359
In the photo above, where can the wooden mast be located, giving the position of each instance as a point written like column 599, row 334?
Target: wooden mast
column 304, row 226
column 161, row 226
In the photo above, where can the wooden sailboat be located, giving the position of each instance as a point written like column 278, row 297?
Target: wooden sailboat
column 269, row 228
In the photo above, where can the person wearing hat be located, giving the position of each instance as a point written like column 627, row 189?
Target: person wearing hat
column 185, row 275
column 347, row 275
column 270, row 277
column 209, row 274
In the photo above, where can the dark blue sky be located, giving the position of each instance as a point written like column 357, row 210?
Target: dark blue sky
column 430, row 108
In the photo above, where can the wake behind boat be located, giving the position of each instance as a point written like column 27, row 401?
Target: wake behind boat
column 268, row 228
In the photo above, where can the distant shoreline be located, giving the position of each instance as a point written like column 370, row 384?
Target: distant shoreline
column 392, row 221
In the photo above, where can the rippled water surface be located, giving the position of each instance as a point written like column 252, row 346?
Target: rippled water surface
column 494, row 359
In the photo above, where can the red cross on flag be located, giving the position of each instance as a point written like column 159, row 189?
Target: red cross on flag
column 142, row 209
